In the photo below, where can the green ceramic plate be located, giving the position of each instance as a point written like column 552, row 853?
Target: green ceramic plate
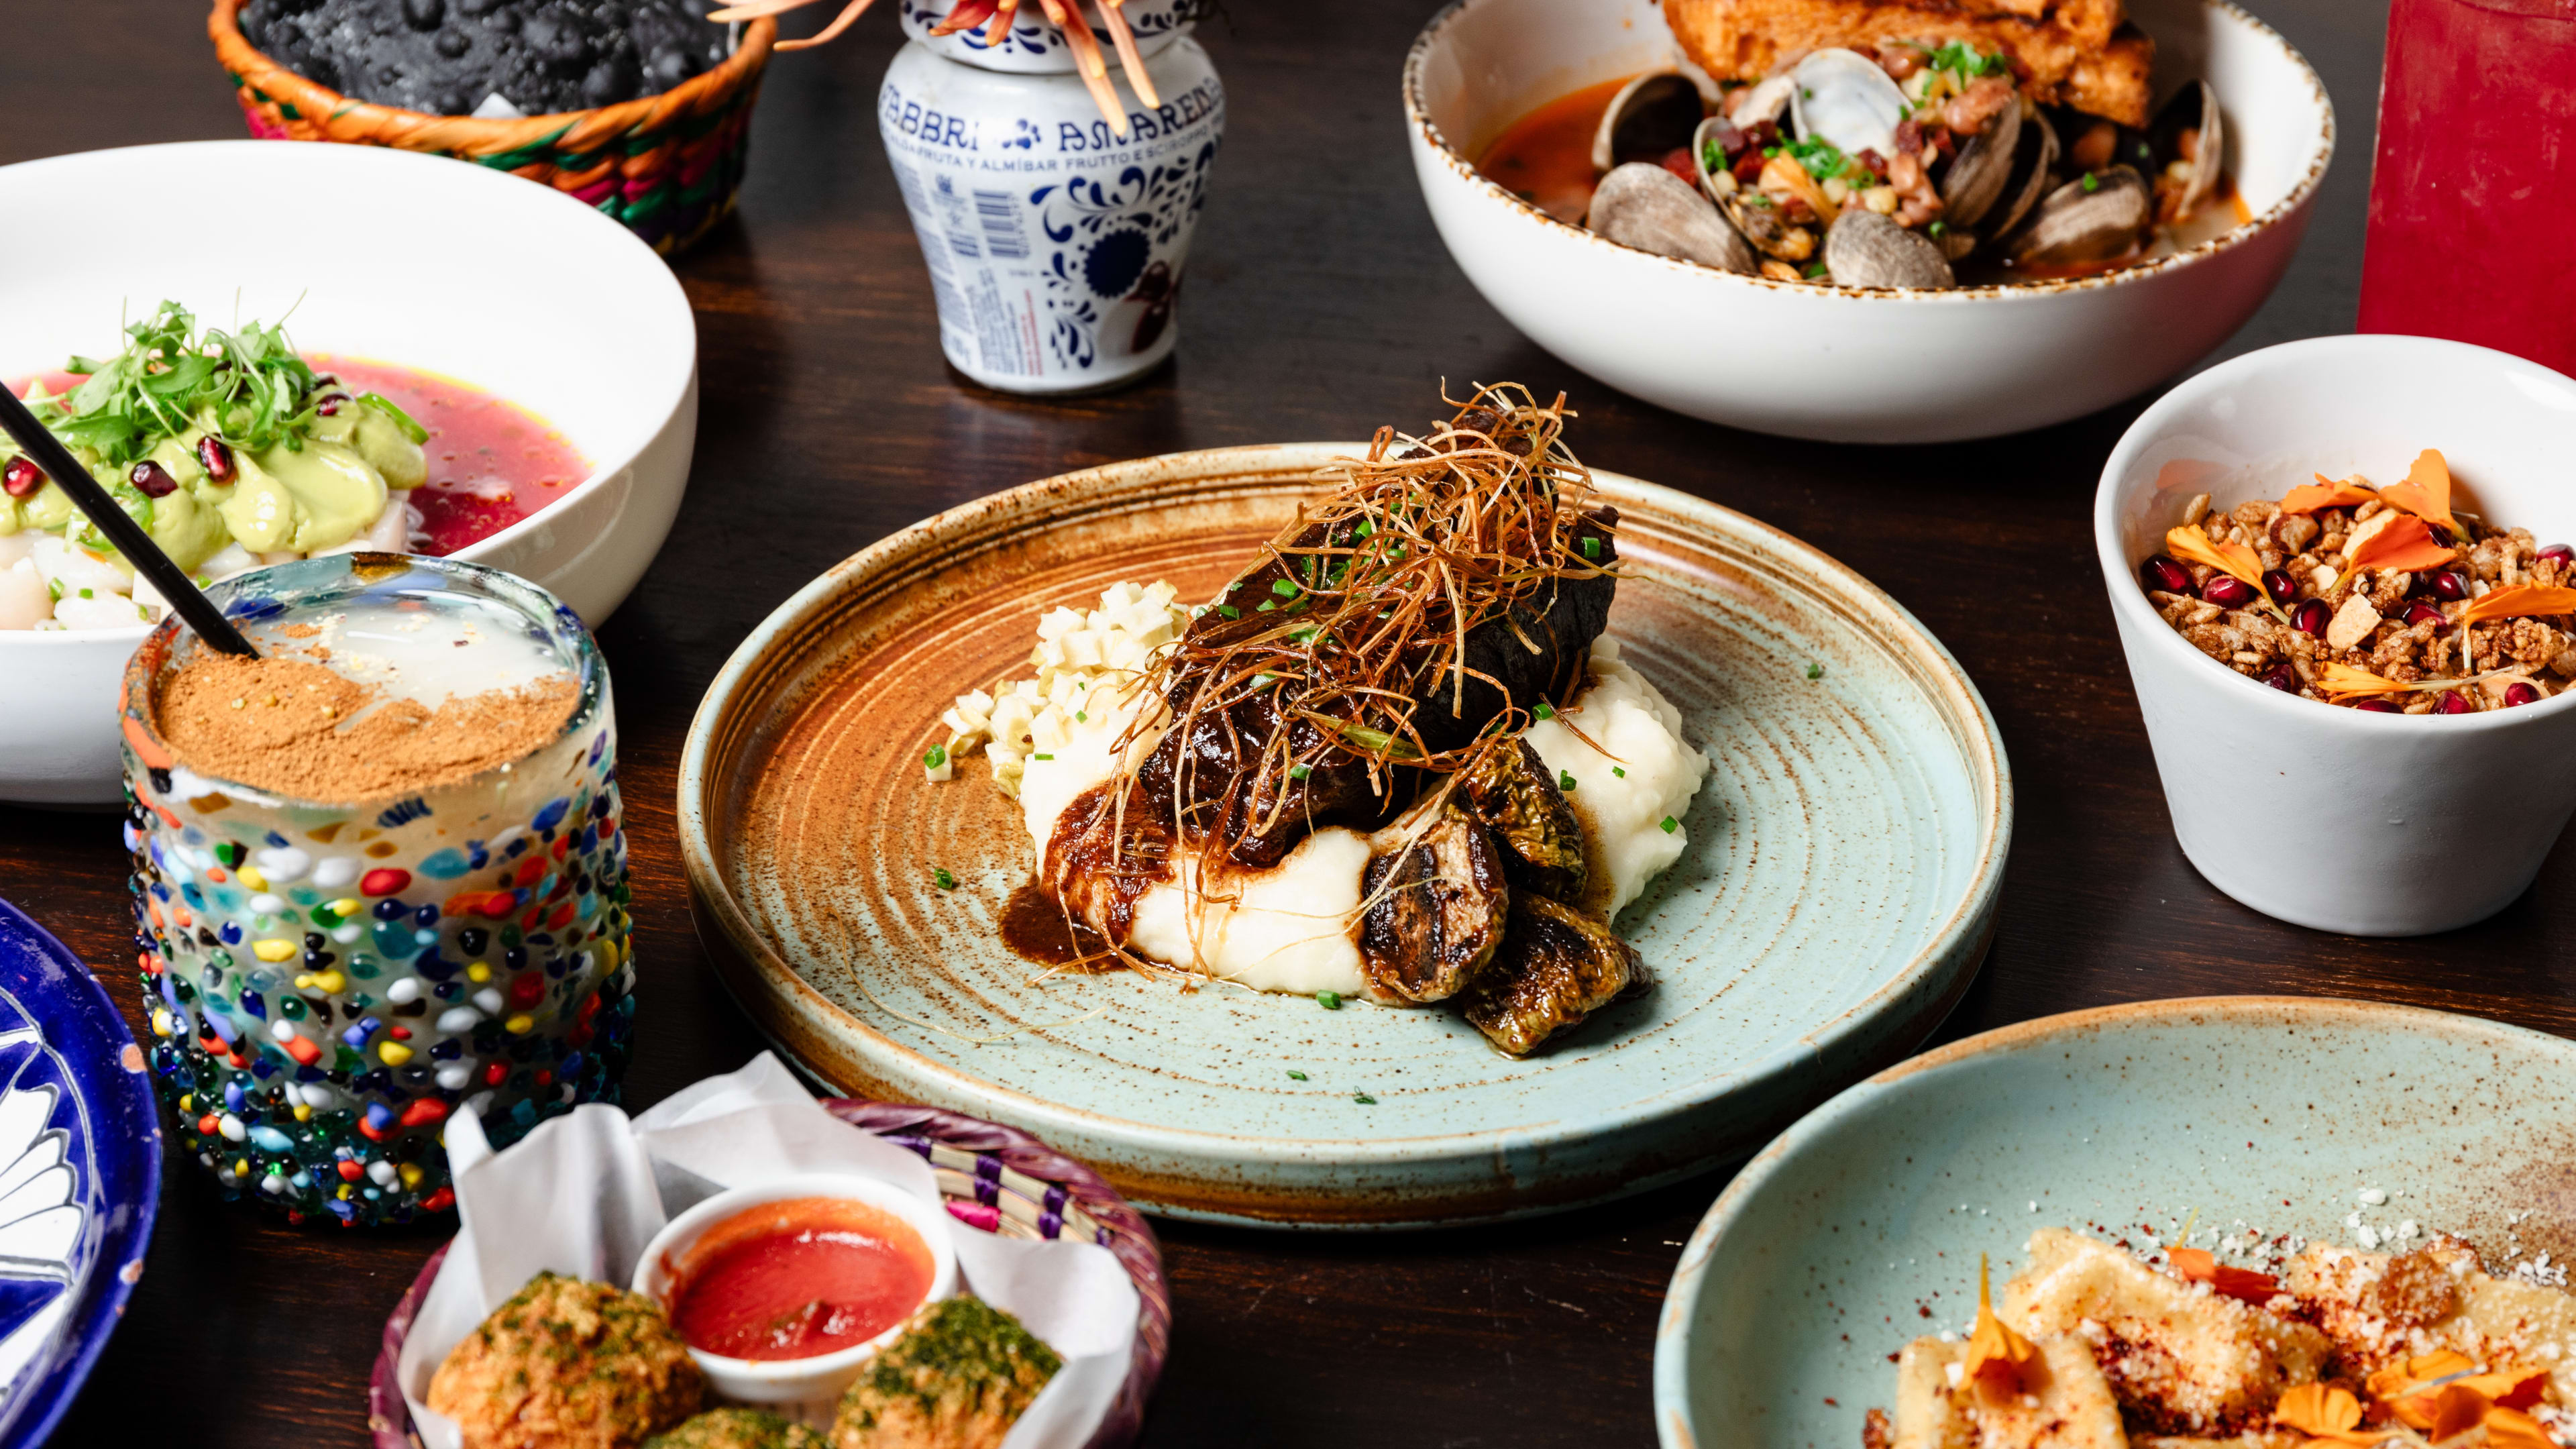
column 1837, row 895
column 2282, row 1112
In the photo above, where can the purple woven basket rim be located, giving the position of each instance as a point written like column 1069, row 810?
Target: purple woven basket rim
column 1132, row 1242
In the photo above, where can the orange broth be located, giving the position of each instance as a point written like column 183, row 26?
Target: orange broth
column 1545, row 157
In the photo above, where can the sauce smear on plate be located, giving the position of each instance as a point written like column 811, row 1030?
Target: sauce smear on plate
column 799, row 1278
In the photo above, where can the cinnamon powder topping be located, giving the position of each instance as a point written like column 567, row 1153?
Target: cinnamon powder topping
column 296, row 728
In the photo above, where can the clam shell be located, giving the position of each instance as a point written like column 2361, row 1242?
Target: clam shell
column 2033, row 159
column 1978, row 174
column 1642, row 205
column 1650, row 115
column 1766, row 100
column 2194, row 107
column 1843, row 97
column 1865, row 249
column 2072, row 225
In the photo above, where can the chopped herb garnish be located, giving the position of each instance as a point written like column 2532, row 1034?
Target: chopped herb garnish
column 1564, row 780
column 1543, row 710
column 1284, row 588
column 248, row 388
column 1671, row 825
column 1815, row 671
column 2092, row 182
column 1591, row 547
column 1822, row 158
column 1300, row 772
column 1364, row 1099
column 1813, row 271
column 1770, row 151
column 935, row 756
column 1296, row 1076
column 1230, row 611
column 1079, row 717
column 942, row 879
column 410, row 426
column 86, row 594
column 1041, row 757
column 1963, row 60
column 1618, row 771
column 1266, row 606
column 1936, row 228
column 1329, row 1000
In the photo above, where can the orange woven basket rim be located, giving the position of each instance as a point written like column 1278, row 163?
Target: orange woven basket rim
column 254, row 67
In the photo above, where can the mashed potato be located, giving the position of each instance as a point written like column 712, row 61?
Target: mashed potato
column 1632, row 791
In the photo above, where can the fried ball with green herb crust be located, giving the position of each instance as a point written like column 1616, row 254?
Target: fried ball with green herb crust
column 960, row 1376
column 739, row 1429
column 568, row 1365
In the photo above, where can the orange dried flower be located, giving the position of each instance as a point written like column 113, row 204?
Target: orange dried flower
column 2426, row 493
column 2199, row 1265
column 2403, row 1380
column 2515, row 601
column 2326, row 493
column 1996, row 1354
column 2229, row 558
column 2323, row 1412
column 2344, row 681
column 2395, row 541
column 2514, row 1429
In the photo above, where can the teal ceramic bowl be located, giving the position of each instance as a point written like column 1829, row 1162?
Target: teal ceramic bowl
column 1859, row 1228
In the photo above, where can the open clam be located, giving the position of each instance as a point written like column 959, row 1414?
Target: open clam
column 1843, row 97
column 1865, row 249
column 1985, row 164
column 1642, row 205
column 2034, row 157
column 2096, row 217
column 1650, row 117
column 1766, row 100
column 2187, row 139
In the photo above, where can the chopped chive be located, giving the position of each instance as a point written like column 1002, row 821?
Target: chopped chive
column 1564, row 780
column 1079, row 717
column 1367, row 528
column 86, row 594
column 1936, row 228
column 1621, row 773
column 1364, row 1099
column 1591, row 546
column 935, row 756
column 1329, row 1000
column 1296, row 1076
column 1300, row 772
column 2092, row 182
column 1266, row 606
column 1543, row 710
column 1284, row 588
column 942, row 879
column 1041, row 757
column 1671, row 825
column 1230, row 611
column 1815, row 671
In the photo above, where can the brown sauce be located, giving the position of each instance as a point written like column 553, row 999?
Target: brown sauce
column 1035, row 929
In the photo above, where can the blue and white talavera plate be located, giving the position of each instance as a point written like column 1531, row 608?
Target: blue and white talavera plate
column 80, row 1171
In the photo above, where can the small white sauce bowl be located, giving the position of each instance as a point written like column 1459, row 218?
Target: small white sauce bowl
column 810, row 1386
column 393, row 257
column 2331, row 818
column 1819, row 362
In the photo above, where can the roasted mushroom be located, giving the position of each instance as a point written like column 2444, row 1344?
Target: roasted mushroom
column 1541, row 842
column 1556, row 967
column 1434, row 907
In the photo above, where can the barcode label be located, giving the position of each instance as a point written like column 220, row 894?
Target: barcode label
column 999, row 211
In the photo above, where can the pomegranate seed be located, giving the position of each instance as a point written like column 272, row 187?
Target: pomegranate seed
column 2450, row 587
column 2520, row 693
column 2311, row 617
column 2420, row 613
column 2378, row 706
column 2279, row 584
column 2164, row 574
column 21, row 478
column 2560, row 552
column 2227, row 591
column 216, row 457
column 2283, row 678
column 329, row 406
column 152, row 480
column 2453, row 702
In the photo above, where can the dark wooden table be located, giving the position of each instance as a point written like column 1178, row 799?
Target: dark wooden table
column 1321, row 304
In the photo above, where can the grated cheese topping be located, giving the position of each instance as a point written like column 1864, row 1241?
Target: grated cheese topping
column 1077, row 652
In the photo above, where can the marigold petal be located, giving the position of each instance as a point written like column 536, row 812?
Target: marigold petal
column 1996, row 1354
column 2198, row 1265
column 2326, row 493
column 2344, row 679
column 2318, row 1409
column 2426, row 493
column 2228, row 558
column 2515, row 601
column 2401, row 543
column 2514, row 1429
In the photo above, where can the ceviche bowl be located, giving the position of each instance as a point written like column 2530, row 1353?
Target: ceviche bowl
column 2349, row 1123
column 2337, row 819
column 400, row 258
column 1814, row 361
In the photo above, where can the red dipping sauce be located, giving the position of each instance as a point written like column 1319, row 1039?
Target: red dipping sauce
column 799, row 1278
column 491, row 462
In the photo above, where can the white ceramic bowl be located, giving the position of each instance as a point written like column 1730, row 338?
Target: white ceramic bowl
column 810, row 1385
column 2373, row 824
column 408, row 259
column 1816, row 362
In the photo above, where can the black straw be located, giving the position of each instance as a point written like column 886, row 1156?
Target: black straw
column 48, row 453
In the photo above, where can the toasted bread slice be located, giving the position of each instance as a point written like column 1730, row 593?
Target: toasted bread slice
column 1748, row 39
column 2086, row 22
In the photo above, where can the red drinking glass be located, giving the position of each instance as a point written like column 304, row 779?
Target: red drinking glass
column 2470, row 203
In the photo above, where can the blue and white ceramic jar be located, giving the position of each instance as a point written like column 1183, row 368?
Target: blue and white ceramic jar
column 1033, row 45
column 1056, row 248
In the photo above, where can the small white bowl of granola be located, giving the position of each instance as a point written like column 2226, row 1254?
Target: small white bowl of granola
column 2340, row 575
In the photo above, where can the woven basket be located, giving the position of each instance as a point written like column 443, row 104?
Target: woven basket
column 667, row 166
column 994, row 1178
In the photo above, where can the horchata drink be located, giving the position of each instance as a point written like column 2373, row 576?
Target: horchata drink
column 378, row 876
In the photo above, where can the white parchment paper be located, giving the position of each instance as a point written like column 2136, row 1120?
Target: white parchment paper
column 583, row 1194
